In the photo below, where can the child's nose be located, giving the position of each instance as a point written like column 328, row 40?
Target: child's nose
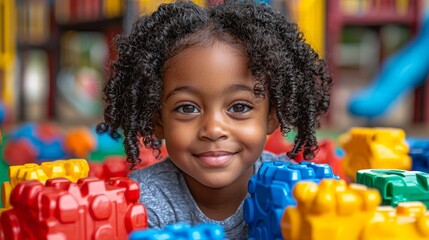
column 213, row 127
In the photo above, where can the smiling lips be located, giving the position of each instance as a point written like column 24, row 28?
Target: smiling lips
column 214, row 159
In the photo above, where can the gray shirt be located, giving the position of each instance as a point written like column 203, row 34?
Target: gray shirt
column 167, row 199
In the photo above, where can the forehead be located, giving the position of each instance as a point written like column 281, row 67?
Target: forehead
column 216, row 64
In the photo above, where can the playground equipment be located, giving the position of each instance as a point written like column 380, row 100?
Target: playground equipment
column 402, row 72
column 7, row 51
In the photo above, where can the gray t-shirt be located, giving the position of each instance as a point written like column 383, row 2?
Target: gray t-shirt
column 166, row 196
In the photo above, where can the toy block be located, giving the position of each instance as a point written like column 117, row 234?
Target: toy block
column 329, row 209
column 374, row 148
column 409, row 220
column 326, row 153
column 271, row 191
column 34, row 143
column 397, row 186
column 352, row 211
column 79, row 142
column 60, row 209
column 112, row 166
column 181, row 231
column 72, row 169
column 419, row 153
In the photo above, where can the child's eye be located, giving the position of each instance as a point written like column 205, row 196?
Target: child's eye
column 239, row 108
column 187, row 108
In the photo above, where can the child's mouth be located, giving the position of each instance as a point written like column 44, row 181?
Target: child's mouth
column 215, row 159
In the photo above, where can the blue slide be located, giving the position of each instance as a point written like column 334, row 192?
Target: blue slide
column 401, row 73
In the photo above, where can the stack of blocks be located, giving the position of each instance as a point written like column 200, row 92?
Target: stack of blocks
column 336, row 210
column 271, row 191
column 72, row 169
column 55, row 200
column 287, row 201
column 88, row 209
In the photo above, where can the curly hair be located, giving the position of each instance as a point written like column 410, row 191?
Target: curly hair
column 280, row 60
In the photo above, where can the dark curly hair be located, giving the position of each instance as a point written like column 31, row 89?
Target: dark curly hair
column 280, row 60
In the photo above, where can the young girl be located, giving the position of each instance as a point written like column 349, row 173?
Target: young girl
column 212, row 83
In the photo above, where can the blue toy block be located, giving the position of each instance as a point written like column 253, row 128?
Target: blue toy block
column 47, row 150
column 2, row 113
column 271, row 192
column 419, row 152
column 181, row 231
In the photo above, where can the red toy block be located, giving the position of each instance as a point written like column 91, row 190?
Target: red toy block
column 89, row 209
column 112, row 166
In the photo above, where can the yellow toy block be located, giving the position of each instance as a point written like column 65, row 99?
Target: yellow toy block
column 409, row 220
column 374, row 148
column 72, row 169
column 333, row 209
column 6, row 190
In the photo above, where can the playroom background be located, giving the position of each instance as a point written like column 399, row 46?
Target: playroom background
column 53, row 58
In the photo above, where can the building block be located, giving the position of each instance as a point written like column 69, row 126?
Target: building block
column 409, row 220
column 89, row 209
column 112, row 166
column 271, row 191
column 330, row 209
column 419, row 153
column 342, row 211
column 72, row 169
column 84, row 142
column 325, row 153
column 397, row 186
column 374, row 148
column 184, row 231
column 79, row 142
column 276, row 143
column 34, row 143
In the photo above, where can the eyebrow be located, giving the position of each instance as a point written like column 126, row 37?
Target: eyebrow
column 181, row 89
column 189, row 89
column 239, row 87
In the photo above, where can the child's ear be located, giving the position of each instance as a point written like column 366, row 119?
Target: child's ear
column 273, row 121
column 157, row 124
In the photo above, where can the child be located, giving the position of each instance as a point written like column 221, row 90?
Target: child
column 212, row 83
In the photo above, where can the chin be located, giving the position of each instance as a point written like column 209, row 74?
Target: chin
column 216, row 185
column 217, row 182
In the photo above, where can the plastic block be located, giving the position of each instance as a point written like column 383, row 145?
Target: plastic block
column 182, row 231
column 38, row 142
column 419, row 152
column 331, row 208
column 86, row 210
column 397, row 186
column 339, row 211
column 374, row 148
column 72, row 169
column 271, row 191
column 408, row 221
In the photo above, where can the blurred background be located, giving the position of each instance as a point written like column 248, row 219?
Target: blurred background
column 54, row 56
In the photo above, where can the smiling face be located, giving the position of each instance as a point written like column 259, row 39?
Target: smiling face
column 213, row 124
